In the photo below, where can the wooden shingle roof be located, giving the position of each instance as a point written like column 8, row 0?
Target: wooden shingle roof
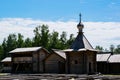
column 103, row 57
column 7, row 59
column 81, row 42
column 28, row 49
column 60, row 53
column 114, row 58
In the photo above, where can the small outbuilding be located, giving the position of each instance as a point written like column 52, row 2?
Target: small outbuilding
column 55, row 62
column 6, row 64
column 28, row 60
column 114, row 64
column 102, row 62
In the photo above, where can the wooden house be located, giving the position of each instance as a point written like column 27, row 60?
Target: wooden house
column 6, row 64
column 81, row 57
column 108, row 63
column 114, row 64
column 102, row 62
column 55, row 62
column 28, row 60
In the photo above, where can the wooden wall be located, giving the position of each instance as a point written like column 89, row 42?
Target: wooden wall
column 42, row 55
column 38, row 57
column 6, row 67
column 114, row 68
column 22, row 59
column 34, row 60
column 76, row 62
column 54, row 64
column 81, row 62
column 91, row 62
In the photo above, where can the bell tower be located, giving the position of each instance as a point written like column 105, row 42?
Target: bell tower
column 80, row 41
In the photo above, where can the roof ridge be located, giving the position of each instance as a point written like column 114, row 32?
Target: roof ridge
column 88, row 41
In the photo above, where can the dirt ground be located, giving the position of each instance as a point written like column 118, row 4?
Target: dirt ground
column 57, row 77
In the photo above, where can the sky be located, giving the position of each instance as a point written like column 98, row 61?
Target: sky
column 101, row 18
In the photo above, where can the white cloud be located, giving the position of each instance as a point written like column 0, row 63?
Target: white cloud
column 98, row 33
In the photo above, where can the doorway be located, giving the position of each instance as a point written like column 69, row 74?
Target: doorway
column 61, row 67
column 90, row 67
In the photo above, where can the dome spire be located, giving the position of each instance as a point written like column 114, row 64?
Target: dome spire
column 80, row 25
column 80, row 18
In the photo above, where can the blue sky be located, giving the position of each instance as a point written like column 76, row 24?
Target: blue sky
column 101, row 18
column 64, row 10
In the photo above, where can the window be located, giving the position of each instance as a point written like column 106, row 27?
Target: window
column 76, row 62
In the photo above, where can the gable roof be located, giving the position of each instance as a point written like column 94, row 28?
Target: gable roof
column 7, row 59
column 103, row 57
column 28, row 49
column 114, row 58
column 60, row 53
column 81, row 42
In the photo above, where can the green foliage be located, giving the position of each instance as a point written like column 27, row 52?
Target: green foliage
column 54, row 40
column 9, row 44
column 4, row 47
column 70, row 40
column 63, row 40
column 28, row 42
column 99, row 48
column 20, row 41
column 117, row 49
column 112, row 48
column 42, row 37
column 1, row 52
column 37, row 37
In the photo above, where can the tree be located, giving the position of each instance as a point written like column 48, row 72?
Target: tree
column 4, row 46
column 54, row 40
column 44, row 36
column 41, row 36
column 99, row 48
column 11, row 43
column 1, row 52
column 117, row 50
column 37, row 38
column 70, row 40
column 112, row 47
column 20, row 41
column 63, row 40
column 28, row 42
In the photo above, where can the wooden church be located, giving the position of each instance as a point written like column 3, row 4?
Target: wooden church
column 81, row 57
